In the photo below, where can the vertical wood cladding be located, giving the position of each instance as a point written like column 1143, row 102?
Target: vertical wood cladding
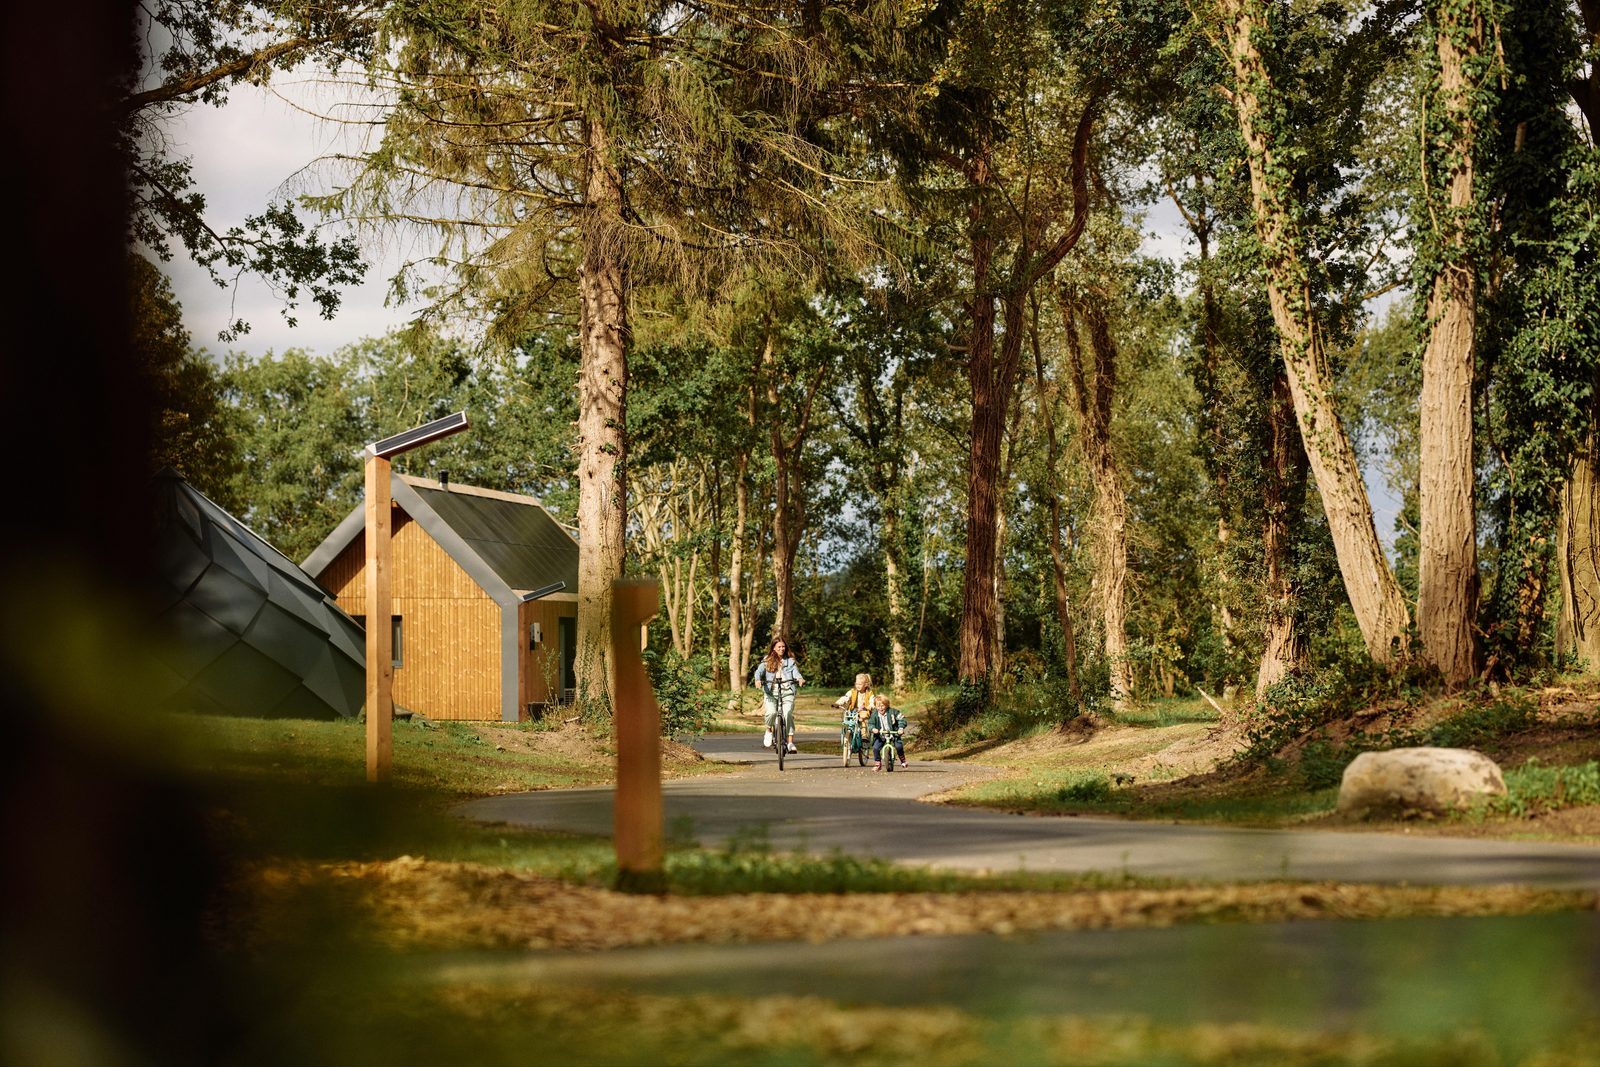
column 539, row 668
column 451, row 667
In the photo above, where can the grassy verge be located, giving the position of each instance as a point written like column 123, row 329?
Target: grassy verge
column 1545, row 740
column 451, row 758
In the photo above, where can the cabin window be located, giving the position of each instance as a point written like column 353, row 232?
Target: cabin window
column 396, row 637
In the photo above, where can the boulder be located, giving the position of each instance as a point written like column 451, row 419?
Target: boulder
column 1414, row 780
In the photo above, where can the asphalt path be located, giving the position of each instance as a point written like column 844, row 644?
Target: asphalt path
column 817, row 805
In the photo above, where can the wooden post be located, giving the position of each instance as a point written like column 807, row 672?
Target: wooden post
column 380, row 638
column 639, row 824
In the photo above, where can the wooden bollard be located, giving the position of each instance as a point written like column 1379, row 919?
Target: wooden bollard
column 380, row 638
column 639, row 823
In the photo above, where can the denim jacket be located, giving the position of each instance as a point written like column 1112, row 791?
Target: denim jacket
column 788, row 671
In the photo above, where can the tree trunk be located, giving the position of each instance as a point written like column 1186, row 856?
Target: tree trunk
column 1578, row 550
column 1447, row 561
column 789, row 511
column 983, row 468
column 1375, row 596
column 894, row 583
column 1578, row 535
column 602, row 416
column 714, row 624
column 1284, row 493
column 1094, row 404
column 1211, row 346
column 738, row 624
column 1058, row 561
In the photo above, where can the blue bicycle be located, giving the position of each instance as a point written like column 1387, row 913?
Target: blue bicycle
column 851, row 740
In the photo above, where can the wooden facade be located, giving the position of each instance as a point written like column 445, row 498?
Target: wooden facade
column 453, row 635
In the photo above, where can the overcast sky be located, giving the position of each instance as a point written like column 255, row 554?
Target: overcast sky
column 247, row 154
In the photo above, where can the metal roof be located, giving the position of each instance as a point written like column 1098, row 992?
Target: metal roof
column 518, row 540
column 247, row 631
column 508, row 544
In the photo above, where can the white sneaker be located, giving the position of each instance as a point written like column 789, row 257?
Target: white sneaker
column 792, row 747
column 766, row 739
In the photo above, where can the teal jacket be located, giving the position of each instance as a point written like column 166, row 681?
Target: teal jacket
column 888, row 719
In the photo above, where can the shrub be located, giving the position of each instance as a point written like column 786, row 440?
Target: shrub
column 1093, row 789
column 1533, row 788
column 683, row 691
column 971, row 700
column 1487, row 722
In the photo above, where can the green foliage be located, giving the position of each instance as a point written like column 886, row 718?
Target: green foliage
column 1483, row 723
column 1534, row 788
column 1322, row 762
column 193, row 431
column 1089, row 789
column 971, row 700
column 1539, row 346
column 683, row 692
column 300, row 421
column 1306, row 701
column 1014, row 712
column 198, row 51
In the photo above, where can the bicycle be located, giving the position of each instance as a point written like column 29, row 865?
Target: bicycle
column 850, row 739
column 893, row 738
column 780, row 729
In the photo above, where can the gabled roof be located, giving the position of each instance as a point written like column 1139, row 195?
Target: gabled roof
column 248, row 632
column 508, row 544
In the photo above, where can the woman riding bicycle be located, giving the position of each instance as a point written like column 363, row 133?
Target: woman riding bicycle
column 778, row 676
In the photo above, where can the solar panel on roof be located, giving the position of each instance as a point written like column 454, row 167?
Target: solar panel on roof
column 420, row 435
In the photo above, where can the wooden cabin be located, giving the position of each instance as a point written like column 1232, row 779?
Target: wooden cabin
column 471, row 640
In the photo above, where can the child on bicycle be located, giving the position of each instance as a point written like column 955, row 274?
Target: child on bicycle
column 884, row 720
column 857, row 704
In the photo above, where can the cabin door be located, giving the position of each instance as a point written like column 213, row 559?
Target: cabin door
column 568, row 626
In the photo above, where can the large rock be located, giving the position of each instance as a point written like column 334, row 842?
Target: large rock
column 1411, row 780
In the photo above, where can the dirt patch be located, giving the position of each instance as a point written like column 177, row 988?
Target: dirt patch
column 413, row 903
column 1138, row 752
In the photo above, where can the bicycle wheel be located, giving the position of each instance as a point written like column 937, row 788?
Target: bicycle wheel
column 888, row 758
column 781, row 736
column 861, row 752
column 844, row 748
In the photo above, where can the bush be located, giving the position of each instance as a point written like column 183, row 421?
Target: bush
column 1533, row 788
column 1303, row 703
column 683, row 691
column 1488, row 722
column 1093, row 789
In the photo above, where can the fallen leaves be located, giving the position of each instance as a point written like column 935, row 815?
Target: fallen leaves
column 412, row 903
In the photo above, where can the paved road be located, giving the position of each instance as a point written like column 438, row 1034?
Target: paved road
column 816, row 805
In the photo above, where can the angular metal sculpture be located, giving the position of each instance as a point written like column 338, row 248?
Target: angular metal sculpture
column 247, row 632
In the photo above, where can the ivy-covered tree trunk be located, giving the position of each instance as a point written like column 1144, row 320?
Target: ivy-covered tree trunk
column 1578, row 550
column 1375, row 597
column 1578, row 535
column 1094, row 402
column 1447, row 563
column 602, row 415
column 1284, row 495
